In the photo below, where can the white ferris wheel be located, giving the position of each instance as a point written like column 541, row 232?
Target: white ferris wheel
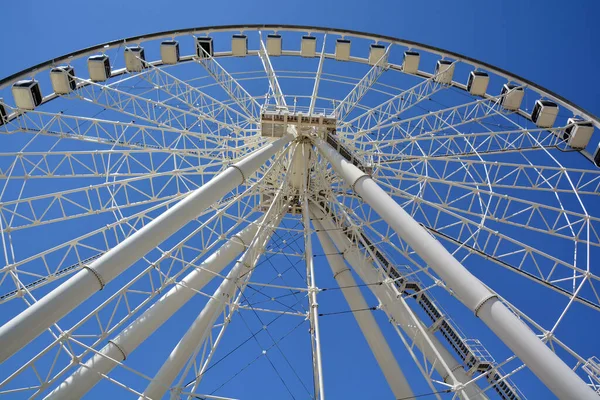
column 294, row 212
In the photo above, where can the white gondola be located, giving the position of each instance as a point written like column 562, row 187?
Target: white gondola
column 27, row 94
column 204, row 46
column 579, row 133
column 135, row 59
column 544, row 113
column 274, row 44
column 2, row 113
column 410, row 64
column 444, row 71
column 308, row 46
column 512, row 96
column 169, row 52
column 376, row 52
column 478, row 83
column 342, row 50
column 63, row 79
column 239, row 45
column 99, row 68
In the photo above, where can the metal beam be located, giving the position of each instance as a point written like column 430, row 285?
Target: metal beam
column 542, row 361
column 396, row 308
column 90, row 373
column 371, row 331
column 29, row 324
column 235, row 280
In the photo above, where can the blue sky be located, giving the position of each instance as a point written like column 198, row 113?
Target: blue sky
column 551, row 43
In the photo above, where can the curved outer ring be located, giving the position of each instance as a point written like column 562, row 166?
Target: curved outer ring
column 407, row 43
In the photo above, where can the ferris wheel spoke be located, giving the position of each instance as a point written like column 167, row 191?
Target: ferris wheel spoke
column 230, row 85
column 494, row 174
column 107, row 164
column 345, row 107
column 195, row 99
column 111, row 133
column 318, row 74
column 531, row 262
column 271, row 75
column 484, row 204
column 144, row 189
column 466, row 145
column 382, row 114
column 148, row 283
column 156, row 112
column 436, row 121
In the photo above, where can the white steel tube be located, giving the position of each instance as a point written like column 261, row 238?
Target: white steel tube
column 377, row 342
column 544, row 363
column 310, row 279
column 440, row 358
column 202, row 325
column 88, row 375
column 30, row 323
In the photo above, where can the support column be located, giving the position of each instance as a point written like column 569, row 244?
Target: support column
column 88, row 375
column 540, row 359
column 30, row 323
column 377, row 342
column 436, row 353
column 313, row 313
column 202, row 325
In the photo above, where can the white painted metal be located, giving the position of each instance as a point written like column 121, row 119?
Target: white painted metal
column 89, row 374
column 30, row 323
column 305, row 149
column 551, row 370
column 185, row 137
column 399, row 312
column 371, row 331
column 264, row 53
column 223, row 295
column 313, row 99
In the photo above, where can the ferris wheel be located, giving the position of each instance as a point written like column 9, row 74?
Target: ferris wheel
column 294, row 212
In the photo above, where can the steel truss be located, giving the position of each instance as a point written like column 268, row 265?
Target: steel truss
column 128, row 202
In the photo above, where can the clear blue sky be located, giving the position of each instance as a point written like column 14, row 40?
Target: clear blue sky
column 549, row 42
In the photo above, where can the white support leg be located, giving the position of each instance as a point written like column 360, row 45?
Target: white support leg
column 544, row 363
column 313, row 316
column 29, row 324
column 375, row 339
column 395, row 306
column 202, row 325
column 88, row 375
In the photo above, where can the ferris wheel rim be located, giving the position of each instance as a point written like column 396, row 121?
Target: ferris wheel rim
column 577, row 110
